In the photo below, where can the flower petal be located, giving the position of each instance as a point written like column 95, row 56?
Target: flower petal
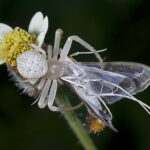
column 44, row 27
column 36, row 23
column 40, row 39
column 4, row 29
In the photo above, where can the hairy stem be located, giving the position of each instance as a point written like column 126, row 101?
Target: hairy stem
column 75, row 123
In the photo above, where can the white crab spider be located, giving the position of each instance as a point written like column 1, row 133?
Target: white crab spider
column 94, row 85
column 33, row 66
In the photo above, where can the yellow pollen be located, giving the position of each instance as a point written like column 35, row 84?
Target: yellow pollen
column 96, row 125
column 14, row 44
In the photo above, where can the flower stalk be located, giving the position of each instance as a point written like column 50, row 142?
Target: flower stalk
column 75, row 123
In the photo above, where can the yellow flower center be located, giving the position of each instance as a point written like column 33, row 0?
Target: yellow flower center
column 14, row 44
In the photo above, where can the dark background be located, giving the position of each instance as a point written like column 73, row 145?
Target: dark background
column 122, row 26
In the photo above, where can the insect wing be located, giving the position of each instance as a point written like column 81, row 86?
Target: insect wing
column 137, row 77
column 118, row 79
column 94, row 106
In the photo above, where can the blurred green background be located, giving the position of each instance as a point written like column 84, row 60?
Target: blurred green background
column 122, row 26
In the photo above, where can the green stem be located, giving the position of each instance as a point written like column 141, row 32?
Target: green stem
column 75, row 123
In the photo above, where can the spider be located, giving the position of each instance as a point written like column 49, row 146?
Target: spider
column 95, row 83
column 35, row 65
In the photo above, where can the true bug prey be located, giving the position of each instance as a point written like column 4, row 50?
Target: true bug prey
column 39, row 69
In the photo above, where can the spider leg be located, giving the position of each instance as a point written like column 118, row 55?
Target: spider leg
column 49, row 51
column 82, row 53
column 41, row 84
column 51, row 99
column 44, row 94
column 58, row 35
column 46, row 85
column 40, row 88
column 71, row 108
column 68, row 44
column 52, row 95
column 39, row 49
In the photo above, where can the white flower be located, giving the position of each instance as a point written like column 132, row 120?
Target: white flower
column 38, row 26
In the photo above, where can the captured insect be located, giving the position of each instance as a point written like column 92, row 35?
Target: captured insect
column 37, row 69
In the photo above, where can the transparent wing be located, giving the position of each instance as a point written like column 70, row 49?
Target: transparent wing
column 136, row 79
column 118, row 80
column 95, row 106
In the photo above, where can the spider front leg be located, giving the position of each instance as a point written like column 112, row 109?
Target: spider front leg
column 83, row 53
column 49, row 52
column 68, row 44
column 39, row 49
column 58, row 35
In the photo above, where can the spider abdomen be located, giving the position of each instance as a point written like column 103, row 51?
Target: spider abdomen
column 32, row 64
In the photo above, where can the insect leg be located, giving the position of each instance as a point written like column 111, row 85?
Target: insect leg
column 58, row 35
column 145, row 106
column 68, row 44
column 108, row 110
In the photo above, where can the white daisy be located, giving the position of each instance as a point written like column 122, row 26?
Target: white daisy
column 14, row 42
